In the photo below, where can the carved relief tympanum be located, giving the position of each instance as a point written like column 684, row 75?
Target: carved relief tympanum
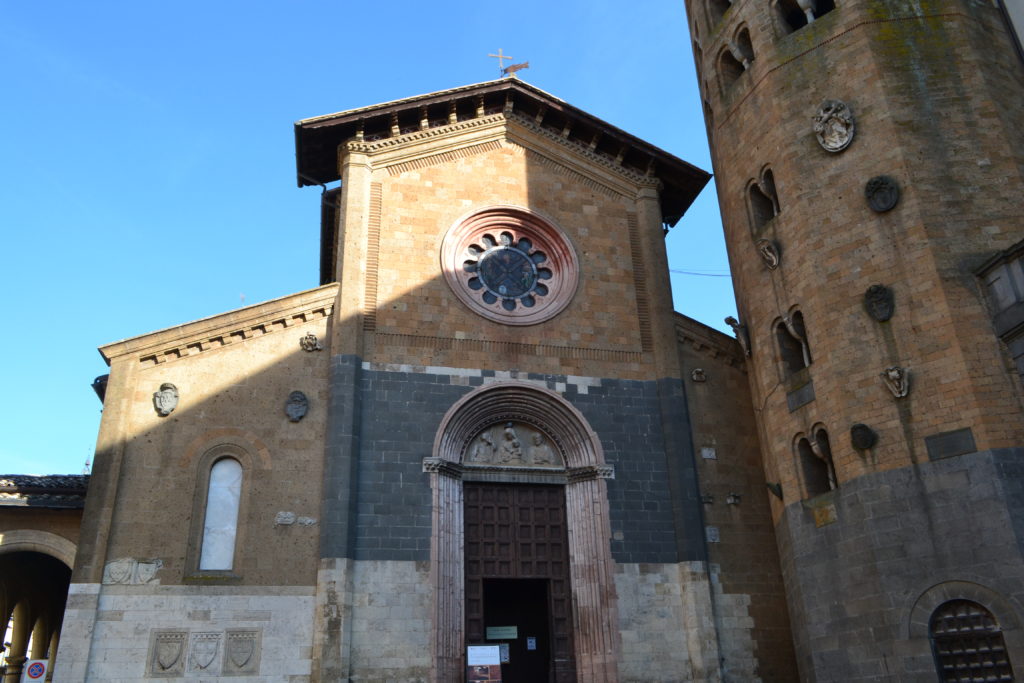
column 513, row 444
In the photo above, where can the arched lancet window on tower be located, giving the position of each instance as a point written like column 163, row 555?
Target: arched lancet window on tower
column 815, row 470
column 763, row 200
column 220, row 526
column 793, row 15
column 716, row 11
column 791, row 335
column 729, row 68
column 968, row 644
column 744, row 47
column 822, row 448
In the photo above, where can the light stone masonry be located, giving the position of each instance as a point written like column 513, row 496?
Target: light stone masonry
column 662, row 608
column 279, row 620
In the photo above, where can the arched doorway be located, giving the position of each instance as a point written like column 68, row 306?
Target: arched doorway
column 33, row 593
column 521, row 439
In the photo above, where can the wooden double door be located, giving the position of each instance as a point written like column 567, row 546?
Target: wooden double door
column 517, row 575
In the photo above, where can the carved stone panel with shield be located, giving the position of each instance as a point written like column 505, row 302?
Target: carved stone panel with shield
column 167, row 653
column 203, row 652
column 242, row 652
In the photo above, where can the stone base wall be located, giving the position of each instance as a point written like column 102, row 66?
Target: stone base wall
column 373, row 621
column 667, row 623
column 391, row 622
column 863, row 580
column 239, row 633
column 736, row 634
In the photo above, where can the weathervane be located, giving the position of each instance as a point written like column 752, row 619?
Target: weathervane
column 511, row 69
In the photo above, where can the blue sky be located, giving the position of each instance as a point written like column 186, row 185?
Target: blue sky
column 148, row 168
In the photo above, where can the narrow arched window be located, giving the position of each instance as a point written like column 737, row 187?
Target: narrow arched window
column 823, row 449
column 729, row 68
column 763, row 199
column 745, row 47
column 815, row 470
column 795, row 14
column 968, row 644
column 762, row 209
column 791, row 336
column 716, row 11
column 221, row 519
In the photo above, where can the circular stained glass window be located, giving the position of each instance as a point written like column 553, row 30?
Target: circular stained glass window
column 510, row 265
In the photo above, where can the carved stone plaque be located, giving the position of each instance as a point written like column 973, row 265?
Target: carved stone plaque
column 880, row 302
column 882, row 193
column 297, row 406
column 897, row 380
column 862, row 437
column 513, row 444
column 167, row 653
column 242, row 652
column 129, row 571
column 165, row 400
column 834, row 125
column 310, row 343
column 202, row 652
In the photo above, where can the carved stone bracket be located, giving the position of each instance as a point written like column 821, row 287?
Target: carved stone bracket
column 741, row 332
column 770, row 253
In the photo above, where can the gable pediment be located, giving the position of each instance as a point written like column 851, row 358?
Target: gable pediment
column 505, row 107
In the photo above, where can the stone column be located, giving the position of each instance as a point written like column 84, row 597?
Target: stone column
column 447, row 575
column 19, row 643
column 595, row 613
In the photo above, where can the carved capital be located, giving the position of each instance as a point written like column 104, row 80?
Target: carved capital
column 589, row 472
column 443, row 467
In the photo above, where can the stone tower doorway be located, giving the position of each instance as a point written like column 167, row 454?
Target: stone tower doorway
column 517, row 578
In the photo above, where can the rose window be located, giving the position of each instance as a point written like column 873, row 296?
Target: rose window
column 510, row 265
column 507, row 270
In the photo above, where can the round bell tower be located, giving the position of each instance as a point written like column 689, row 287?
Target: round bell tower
column 868, row 158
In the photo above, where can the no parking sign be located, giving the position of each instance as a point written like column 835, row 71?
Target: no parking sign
column 35, row 670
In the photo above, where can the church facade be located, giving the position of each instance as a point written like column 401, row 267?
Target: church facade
column 488, row 426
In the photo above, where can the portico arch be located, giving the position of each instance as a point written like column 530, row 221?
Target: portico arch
column 595, row 619
column 37, row 541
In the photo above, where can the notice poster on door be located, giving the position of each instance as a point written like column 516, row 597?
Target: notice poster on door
column 483, row 664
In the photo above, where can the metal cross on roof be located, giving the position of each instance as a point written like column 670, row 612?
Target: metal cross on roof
column 501, row 60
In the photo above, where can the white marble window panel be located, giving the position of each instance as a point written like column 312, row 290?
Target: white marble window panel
column 221, row 527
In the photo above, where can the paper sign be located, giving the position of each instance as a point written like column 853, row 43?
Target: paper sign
column 502, row 632
column 482, row 655
column 531, row 643
column 505, row 659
